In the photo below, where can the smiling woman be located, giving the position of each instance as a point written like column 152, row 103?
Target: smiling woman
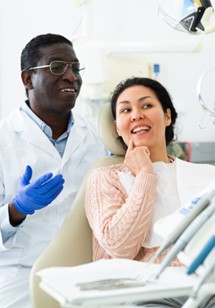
column 140, row 118
column 124, row 201
column 143, row 102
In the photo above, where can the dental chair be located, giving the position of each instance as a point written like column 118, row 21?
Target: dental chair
column 73, row 243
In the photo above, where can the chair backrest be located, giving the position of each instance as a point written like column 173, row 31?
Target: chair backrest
column 73, row 243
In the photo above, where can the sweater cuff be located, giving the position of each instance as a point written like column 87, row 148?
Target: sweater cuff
column 146, row 181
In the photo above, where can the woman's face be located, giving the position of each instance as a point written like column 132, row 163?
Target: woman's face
column 140, row 117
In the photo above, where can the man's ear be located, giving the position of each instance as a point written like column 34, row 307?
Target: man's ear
column 168, row 117
column 117, row 130
column 26, row 79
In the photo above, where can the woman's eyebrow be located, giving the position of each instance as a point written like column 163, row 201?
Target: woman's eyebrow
column 123, row 102
column 139, row 99
column 144, row 97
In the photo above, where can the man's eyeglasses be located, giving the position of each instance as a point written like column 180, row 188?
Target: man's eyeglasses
column 60, row 67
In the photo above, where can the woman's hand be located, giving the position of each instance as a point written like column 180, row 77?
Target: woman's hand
column 138, row 158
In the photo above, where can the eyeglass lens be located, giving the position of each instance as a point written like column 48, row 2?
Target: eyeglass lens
column 59, row 67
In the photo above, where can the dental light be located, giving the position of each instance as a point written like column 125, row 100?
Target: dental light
column 190, row 16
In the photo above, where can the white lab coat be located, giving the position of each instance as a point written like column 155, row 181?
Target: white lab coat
column 23, row 143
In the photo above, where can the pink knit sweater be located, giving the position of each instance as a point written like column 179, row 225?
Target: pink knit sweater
column 120, row 223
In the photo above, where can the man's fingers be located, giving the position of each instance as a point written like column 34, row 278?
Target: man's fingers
column 41, row 180
column 27, row 176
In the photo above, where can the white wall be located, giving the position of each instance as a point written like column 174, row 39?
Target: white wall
column 113, row 20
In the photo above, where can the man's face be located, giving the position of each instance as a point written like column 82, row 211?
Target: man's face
column 54, row 94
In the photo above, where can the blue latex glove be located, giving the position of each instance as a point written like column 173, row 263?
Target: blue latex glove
column 38, row 194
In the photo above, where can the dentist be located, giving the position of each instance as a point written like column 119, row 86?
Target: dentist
column 45, row 152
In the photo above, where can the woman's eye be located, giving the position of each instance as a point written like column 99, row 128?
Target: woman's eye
column 146, row 106
column 125, row 110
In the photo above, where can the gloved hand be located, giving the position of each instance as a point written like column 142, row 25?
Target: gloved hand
column 38, row 194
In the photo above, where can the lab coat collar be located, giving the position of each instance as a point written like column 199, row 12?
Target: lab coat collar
column 30, row 131
column 76, row 136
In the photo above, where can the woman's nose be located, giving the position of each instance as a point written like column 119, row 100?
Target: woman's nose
column 137, row 115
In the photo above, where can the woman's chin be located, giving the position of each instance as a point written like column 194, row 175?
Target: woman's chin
column 140, row 143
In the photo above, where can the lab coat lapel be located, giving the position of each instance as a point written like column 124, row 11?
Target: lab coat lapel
column 32, row 133
column 76, row 137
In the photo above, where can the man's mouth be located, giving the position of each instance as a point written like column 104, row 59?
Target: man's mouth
column 68, row 90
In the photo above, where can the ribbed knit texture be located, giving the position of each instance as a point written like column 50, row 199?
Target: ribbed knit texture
column 120, row 224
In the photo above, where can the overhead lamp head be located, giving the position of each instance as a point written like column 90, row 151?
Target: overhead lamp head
column 190, row 16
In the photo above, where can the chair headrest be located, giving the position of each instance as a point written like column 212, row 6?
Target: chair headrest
column 108, row 132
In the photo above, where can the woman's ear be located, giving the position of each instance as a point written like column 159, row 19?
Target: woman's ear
column 26, row 79
column 168, row 117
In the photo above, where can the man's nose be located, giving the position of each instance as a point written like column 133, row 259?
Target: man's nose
column 69, row 74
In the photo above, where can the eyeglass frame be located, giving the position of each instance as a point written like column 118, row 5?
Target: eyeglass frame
column 49, row 66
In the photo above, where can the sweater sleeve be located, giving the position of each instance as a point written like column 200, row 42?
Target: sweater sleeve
column 120, row 223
